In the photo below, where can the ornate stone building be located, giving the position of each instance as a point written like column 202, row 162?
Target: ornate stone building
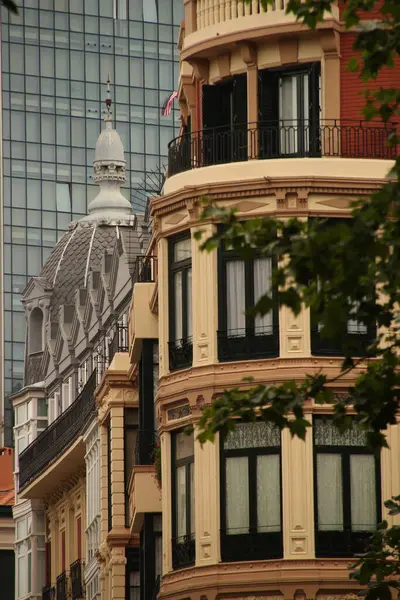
column 266, row 131
column 76, row 324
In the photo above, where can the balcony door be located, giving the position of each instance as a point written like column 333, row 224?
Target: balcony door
column 289, row 112
column 224, row 136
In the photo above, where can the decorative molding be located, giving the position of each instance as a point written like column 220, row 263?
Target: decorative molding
column 179, row 412
column 262, row 187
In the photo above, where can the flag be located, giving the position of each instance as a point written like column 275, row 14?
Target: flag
column 168, row 102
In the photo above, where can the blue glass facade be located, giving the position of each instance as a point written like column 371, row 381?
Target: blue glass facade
column 56, row 56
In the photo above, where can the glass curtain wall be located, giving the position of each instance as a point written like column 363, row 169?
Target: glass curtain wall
column 56, row 56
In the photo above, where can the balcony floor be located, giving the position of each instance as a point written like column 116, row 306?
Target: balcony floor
column 281, row 168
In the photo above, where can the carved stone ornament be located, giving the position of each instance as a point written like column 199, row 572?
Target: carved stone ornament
column 179, row 412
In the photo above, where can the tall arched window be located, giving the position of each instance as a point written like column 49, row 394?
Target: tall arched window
column 36, row 331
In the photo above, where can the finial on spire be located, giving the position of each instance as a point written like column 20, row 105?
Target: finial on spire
column 108, row 101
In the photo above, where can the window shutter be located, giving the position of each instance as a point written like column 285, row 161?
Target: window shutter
column 268, row 114
column 51, row 410
column 240, row 99
column 65, row 396
column 268, row 97
column 57, row 405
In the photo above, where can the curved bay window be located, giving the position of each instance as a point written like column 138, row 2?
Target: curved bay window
column 183, row 523
column 180, row 299
column 242, row 283
column 347, row 490
column 251, row 493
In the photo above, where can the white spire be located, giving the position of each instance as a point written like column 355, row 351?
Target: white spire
column 109, row 172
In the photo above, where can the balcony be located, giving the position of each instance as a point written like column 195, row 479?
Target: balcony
column 183, row 552
column 146, row 441
column 143, row 322
column 62, row 586
column 145, row 269
column 278, row 140
column 144, row 493
column 54, row 440
column 341, row 544
column 49, row 593
column 246, row 344
column 219, row 22
column 180, row 354
column 76, row 573
column 119, row 342
column 355, row 343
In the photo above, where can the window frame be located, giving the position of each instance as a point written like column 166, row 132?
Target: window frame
column 254, row 545
column 183, row 552
column 180, row 350
column 250, row 346
column 345, row 543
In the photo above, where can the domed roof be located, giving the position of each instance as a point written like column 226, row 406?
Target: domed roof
column 79, row 250
column 109, row 147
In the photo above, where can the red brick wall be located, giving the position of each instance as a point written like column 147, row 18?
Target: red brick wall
column 375, row 13
column 351, row 85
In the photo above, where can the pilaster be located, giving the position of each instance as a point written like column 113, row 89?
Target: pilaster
column 163, row 306
column 165, row 441
column 207, row 516
column 297, row 496
column 205, row 301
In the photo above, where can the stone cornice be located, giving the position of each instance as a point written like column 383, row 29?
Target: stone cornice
column 272, row 575
column 266, row 186
column 212, row 379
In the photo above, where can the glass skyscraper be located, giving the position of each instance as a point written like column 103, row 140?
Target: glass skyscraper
column 56, row 57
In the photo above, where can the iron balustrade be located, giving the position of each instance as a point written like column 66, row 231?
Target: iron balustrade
column 280, row 139
column 58, row 436
column 146, row 442
column 183, row 552
column 62, row 586
column 119, row 343
column 354, row 343
column 247, row 344
column 180, row 353
column 341, row 544
column 145, row 269
column 49, row 592
column 76, row 574
column 250, row 546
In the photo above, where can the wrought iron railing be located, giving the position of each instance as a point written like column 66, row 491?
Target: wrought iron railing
column 62, row 586
column 247, row 344
column 183, row 552
column 49, row 592
column 250, row 546
column 145, row 269
column 341, row 544
column 354, row 343
column 58, row 436
column 180, row 353
column 281, row 139
column 146, row 442
column 119, row 342
column 76, row 574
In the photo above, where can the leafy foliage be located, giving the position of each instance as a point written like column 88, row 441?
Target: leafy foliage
column 10, row 5
column 350, row 269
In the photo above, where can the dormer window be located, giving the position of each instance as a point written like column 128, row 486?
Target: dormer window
column 36, row 331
